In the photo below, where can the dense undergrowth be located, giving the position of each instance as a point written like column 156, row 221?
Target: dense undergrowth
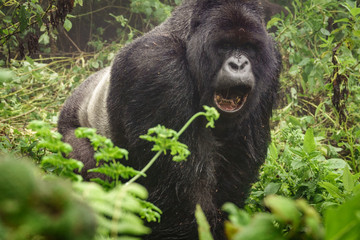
column 308, row 187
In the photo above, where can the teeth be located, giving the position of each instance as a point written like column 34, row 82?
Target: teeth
column 229, row 103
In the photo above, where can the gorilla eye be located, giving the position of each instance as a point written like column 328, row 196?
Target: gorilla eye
column 225, row 46
column 250, row 48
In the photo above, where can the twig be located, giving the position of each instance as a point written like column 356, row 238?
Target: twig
column 73, row 43
column 21, row 115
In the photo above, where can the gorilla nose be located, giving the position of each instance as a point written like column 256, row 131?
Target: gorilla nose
column 237, row 66
column 236, row 71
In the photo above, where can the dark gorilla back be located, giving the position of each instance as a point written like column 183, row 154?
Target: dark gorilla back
column 209, row 52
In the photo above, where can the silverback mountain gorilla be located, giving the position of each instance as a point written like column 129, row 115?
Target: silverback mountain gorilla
column 209, row 52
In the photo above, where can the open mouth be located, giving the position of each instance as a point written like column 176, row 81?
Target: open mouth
column 231, row 99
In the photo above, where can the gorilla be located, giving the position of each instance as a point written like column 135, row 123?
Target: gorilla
column 209, row 52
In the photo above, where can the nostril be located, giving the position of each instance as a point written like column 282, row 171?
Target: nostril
column 234, row 66
column 243, row 65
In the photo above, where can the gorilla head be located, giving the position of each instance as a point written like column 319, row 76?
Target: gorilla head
column 231, row 54
column 209, row 52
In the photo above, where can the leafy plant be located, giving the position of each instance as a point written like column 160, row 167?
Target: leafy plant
column 118, row 211
column 22, row 21
column 314, row 149
column 152, row 9
column 288, row 220
column 110, row 155
column 166, row 139
column 32, row 208
column 294, row 219
column 203, row 225
column 118, row 207
column 299, row 165
column 56, row 162
column 343, row 222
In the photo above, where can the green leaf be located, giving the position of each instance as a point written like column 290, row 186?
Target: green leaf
column 325, row 32
column 348, row 180
column 295, row 121
column 272, row 188
column 44, row 38
column 203, row 225
column 236, row 216
column 273, row 22
column 23, row 19
column 309, row 141
column 261, row 228
column 343, row 222
column 356, row 33
column 305, row 61
column 346, row 20
column 332, row 189
column 297, row 164
column 80, row 2
column 211, row 115
column 67, row 24
column 283, row 208
column 294, row 70
column 335, row 163
column 6, row 75
column 355, row 11
column 298, row 152
column 273, row 152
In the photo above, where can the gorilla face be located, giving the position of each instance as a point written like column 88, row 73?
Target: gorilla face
column 230, row 55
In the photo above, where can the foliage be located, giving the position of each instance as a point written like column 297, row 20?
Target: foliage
column 31, row 207
column 34, row 89
column 152, row 9
column 298, row 166
column 117, row 210
column 311, row 34
column 29, row 28
column 344, row 222
column 110, row 155
column 57, row 161
column 166, row 139
column 22, row 21
column 203, row 225
column 118, row 207
column 289, row 219
column 297, row 218
column 315, row 154
column 320, row 44
column 315, row 150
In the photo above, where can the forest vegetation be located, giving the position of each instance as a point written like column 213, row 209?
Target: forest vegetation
column 308, row 187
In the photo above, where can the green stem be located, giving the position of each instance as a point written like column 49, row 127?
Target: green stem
column 187, row 124
column 142, row 172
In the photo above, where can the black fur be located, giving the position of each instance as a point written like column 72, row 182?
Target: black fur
column 166, row 76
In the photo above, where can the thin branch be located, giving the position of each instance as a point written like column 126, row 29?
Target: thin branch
column 18, row 116
column 73, row 43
